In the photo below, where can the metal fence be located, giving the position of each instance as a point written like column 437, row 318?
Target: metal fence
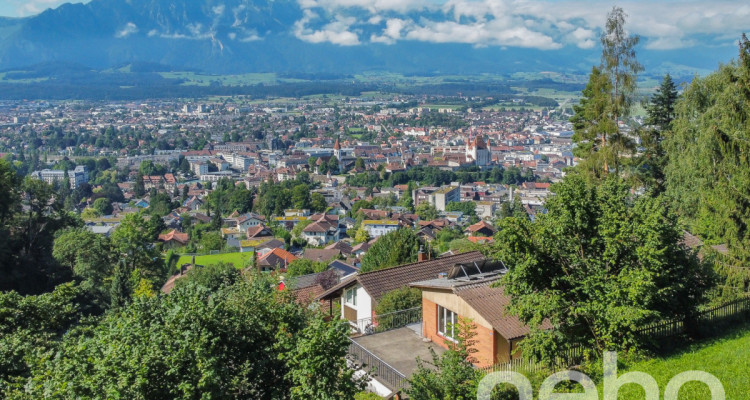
column 376, row 367
column 387, row 322
column 736, row 309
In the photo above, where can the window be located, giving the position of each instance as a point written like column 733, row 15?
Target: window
column 447, row 320
column 351, row 296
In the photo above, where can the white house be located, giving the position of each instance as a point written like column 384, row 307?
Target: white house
column 379, row 227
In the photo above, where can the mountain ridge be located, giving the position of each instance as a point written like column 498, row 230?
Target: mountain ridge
column 240, row 36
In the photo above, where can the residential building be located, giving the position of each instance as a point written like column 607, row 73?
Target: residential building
column 359, row 294
column 76, row 177
column 376, row 228
column 468, row 291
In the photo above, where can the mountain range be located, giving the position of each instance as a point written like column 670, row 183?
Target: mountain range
column 239, row 36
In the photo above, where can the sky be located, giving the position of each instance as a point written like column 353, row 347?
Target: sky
column 25, row 8
column 537, row 24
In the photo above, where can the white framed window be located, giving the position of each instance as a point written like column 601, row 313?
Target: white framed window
column 350, row 296
column 447, row 320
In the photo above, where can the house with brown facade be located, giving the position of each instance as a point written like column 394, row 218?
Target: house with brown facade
column 468, row 291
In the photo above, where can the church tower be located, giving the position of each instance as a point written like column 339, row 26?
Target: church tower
column 337, row 150
column 478, row 152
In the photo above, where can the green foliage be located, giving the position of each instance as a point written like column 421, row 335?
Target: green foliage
column 90, row 258
column 362, row 235
column 399, row 299
column 212, row 276
column 301, row 199
column 318, row 202
column 316, row 358
column 607, row 98
column 708, row 171
column 427, row 211
column 133, row 242
column 453, row 376
column 29, row 327
column 26, row 262
column 466, row 207
column 661, row 113
column 395, row 248
column 211, row 241
column 303, row 266
column 333, row 165
column 599, row 264
column 619, row 62
column 593, row 122
column 239, row 341
column 103, row 206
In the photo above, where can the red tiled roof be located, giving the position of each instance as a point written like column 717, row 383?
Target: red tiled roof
column 178, row 237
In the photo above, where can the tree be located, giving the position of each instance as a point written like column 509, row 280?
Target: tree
column 599, row 265
column 318, row 202
column 333, row 165
column 133, row 241
column 619, row 62
column 468, row 208
column 30, row 326
column 453, row 375
column 362, row 235
column 427, row 211
column 658, row 125
column 301, row 197
column 27, row 264
column 242, row 340
column 103, row 206
column 394, row 248
column 303, row 266
column 399, row 299
column 139, row 189
column 359, row 163
column 607, row 99
column 89, row 257
column 212, row 241
column 707, row 172
column 592, row 123
column 317, row 362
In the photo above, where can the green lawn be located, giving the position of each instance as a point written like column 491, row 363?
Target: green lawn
column 727, row 358
column 239, row 260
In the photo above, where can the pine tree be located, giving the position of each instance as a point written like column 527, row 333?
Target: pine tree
column 658, row 124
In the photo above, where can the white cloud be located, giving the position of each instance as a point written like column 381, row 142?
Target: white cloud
column 542, row 24
column 129, row 29
column 391, row 33
column 336, row 32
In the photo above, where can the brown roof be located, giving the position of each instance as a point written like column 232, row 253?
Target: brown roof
column 379, row 282
column 344, row 247
column 322, row 255
column 174, row 235
column 490, row 303
column 480, row 226
column 691, row 241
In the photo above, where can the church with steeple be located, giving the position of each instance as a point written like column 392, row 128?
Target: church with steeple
column 478, row 152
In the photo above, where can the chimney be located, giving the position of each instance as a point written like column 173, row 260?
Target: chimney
column 421, row 256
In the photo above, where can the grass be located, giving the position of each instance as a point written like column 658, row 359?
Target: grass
column 239, row 260
column 727, row 358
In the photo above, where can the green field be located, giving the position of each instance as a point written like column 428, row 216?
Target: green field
column 727, row 358
column 239, row 260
